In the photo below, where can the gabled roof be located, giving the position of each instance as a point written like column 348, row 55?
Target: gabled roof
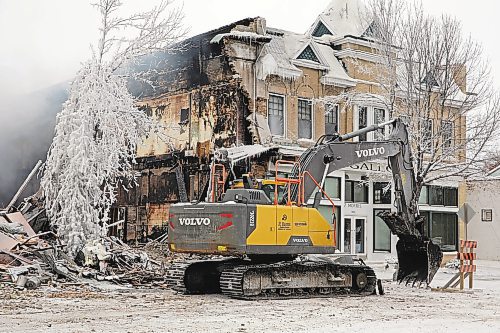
column 336, row 74
column 430, row 80
column 309, row 55
column 342, row 18
column 281, row 56
column 494, row 173
column 277, row 54
column 434, row 80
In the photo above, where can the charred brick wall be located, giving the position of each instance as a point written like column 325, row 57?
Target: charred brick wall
column 158, row 186
column 203, row 105
column 218, row 115
column 198, row 121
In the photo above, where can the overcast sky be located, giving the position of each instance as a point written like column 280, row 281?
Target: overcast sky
column 43, row 42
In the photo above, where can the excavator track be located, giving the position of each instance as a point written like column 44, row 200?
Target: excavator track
column 175, row 275
column 198, row 276
column 297, row 280
column 281, row 280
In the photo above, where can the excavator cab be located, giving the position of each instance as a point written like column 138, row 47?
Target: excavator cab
column 269, row 185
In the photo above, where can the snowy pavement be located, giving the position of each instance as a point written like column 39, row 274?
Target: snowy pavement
column 402, row 309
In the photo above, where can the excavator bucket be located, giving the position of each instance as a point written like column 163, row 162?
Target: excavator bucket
column 419, row 259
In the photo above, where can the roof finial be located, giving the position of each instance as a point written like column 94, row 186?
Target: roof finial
column 343, row 11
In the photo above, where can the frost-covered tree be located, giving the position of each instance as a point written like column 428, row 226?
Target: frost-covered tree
column 99, row 128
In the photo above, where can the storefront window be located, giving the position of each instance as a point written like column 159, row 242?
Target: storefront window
column 381, row 193
column 442, row 228
column 426, row 216
column 439, row 196
column 332, row 187
column 424, row 198
column 381, row 233
column 436, row 196
column 356, row 191
column 450, row 196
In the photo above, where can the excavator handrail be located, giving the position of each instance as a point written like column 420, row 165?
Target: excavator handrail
column 287, row 180
column 317, row 185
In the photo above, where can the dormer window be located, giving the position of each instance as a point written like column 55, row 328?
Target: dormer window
column 371, row 31
column 308, row 54
column 321, row 30
column 430, row 80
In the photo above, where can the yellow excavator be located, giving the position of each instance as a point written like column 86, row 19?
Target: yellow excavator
column 249, row 239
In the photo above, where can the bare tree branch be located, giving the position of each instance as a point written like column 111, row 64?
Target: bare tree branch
column 431, row 74
column 125, row 39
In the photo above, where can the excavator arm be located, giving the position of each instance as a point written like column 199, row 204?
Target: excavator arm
column 419, row 259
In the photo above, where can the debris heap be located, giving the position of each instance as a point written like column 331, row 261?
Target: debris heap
column 29, row 260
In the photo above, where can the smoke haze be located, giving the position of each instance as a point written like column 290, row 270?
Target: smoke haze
column 26, row 131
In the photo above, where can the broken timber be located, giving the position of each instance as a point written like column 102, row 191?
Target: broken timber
column 23, row 186
column 179, row 175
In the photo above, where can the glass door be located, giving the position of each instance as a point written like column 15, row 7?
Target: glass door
column 354, row 230
column 347, row 235
column 359, row 235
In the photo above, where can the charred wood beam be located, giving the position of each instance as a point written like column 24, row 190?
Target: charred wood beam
column 23, row 186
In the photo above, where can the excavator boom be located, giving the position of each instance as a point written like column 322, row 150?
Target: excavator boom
column 418, row 258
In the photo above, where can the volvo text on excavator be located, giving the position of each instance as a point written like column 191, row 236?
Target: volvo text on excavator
column 260, row 234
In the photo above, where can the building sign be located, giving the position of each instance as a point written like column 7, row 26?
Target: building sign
column 352, row 205
column 352, row 208
column 487, row 215
column 371, row 166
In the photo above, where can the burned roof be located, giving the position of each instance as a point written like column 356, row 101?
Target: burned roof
column 184, row 68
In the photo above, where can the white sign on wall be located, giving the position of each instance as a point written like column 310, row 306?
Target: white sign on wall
column 371, row 166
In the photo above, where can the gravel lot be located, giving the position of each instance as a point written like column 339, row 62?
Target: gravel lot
column 402, row 309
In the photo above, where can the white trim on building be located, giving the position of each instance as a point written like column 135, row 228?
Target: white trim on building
column 370, row 173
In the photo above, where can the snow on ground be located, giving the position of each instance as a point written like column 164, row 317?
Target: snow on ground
column 402, row 309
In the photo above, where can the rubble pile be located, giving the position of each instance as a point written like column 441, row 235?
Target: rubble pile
column 110, row 259
column 29, row 260
column 20, row 250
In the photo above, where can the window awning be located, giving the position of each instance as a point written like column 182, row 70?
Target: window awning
column 291, row 150
column 236, row 154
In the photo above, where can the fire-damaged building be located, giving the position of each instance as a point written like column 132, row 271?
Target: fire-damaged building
column 257, row 91
column 202, row 103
